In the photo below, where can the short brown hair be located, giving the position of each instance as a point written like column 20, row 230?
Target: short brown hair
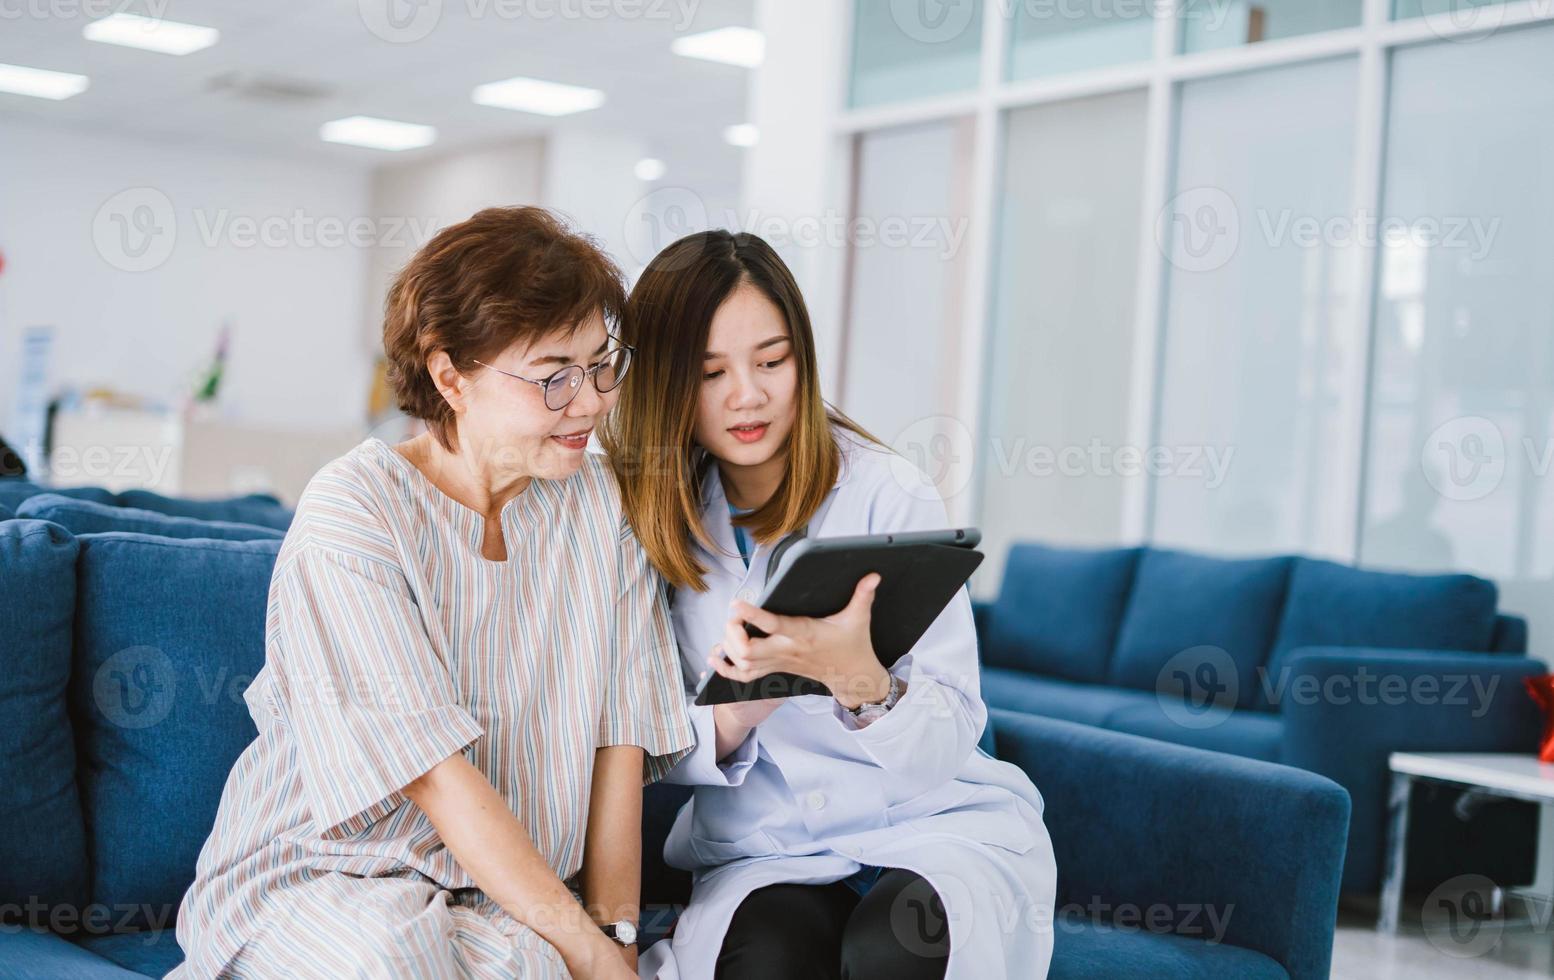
column 649, row 434
column 502, row 276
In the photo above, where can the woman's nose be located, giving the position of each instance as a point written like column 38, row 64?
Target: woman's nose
column 747, row 394
column 589, row 401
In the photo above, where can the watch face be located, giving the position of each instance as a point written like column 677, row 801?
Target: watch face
column 626, row 932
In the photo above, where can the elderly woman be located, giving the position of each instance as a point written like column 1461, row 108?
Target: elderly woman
column 469, row 667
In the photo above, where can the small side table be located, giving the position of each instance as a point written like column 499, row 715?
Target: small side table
column 1505, row 775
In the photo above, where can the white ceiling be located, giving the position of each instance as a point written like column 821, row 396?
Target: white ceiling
column 677, row 106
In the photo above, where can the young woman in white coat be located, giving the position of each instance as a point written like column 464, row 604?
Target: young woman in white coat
column 858, row 834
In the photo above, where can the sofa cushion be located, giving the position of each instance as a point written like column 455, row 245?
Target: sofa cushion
column 42, row 850
column 1237, row 731
column 168, row 634
column 1089, row 704
column 152, row 953
column 1338, row 605
column 255, row 508
column 6, row 513
column 86, row 517
column 1058, row 610
column 1084, row 949
column 37, row 954
column 13, row 491
column 1181, row 602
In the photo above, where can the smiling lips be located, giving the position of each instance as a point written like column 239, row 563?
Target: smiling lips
column 750, row 432
column 574, row 440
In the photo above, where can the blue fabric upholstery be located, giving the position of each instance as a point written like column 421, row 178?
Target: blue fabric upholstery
column 1181, row 601
column 256, row 508
column 1376, row 702
column 1239, row 731
column 1510, row 635
column 151, row 953
column 27, row 954
column 665, row 890
column 161, row 663
column 1090, row 704
column 14, row 491
column 1176, row 832
column 1058, row 610
column 86, row 517
column 1336, row 605
column 42, row 849
column 1087, row 950
column 6, row 513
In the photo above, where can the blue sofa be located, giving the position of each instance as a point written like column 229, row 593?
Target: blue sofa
column 1287, row 659
column 121, row 713
column 259, row 509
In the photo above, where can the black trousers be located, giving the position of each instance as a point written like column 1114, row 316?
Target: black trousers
column 826, row 932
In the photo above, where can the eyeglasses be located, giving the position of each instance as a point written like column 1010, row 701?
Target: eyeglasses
column 560, row 388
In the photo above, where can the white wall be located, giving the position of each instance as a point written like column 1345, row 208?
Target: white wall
column 590, row 177
column 795, row 176
column 79, row 211
column 424, row 196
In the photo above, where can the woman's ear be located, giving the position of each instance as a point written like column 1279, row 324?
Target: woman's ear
column 452, row 385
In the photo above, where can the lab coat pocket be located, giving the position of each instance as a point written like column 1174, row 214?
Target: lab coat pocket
column 989, row 817
column 711, row 853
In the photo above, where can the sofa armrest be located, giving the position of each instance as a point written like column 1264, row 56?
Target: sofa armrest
column 1346, row 709
column 1209, row 845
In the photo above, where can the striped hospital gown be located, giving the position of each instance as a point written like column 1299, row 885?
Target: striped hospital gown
column 391, row 643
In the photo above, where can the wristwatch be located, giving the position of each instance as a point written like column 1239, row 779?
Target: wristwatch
column 623, row 932
column 872, row 710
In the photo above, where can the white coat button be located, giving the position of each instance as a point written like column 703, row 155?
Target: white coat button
column 745, row 595
column 816, row 800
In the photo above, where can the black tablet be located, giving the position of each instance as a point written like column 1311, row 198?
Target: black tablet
column 920, row 572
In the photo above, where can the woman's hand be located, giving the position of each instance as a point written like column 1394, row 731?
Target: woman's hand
column 607, row 963
column 835, row 650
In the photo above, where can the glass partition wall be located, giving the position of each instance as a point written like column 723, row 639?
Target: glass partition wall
column 1236, row 277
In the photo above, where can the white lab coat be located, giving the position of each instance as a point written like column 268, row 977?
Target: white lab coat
column 810, row 797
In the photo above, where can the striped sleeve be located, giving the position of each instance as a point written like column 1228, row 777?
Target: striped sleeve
column 643, row 701
column 368, row 702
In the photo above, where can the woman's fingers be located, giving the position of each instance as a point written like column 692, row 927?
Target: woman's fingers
column 767, row 622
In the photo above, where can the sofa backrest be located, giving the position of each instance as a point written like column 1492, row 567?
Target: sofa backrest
column 14, row 490
column 1212, row 620
column 88, row 517
column 255, row 508
column 1338, row 605
column 1059, row 609
column 1139, row 617
column 43, row 859
column 168, row 634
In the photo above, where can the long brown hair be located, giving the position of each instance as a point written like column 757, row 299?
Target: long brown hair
column 649, row 434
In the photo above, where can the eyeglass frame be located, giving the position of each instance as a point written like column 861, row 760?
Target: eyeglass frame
column 589, row 373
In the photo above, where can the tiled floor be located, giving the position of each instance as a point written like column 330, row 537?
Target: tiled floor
column 1493, row 950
